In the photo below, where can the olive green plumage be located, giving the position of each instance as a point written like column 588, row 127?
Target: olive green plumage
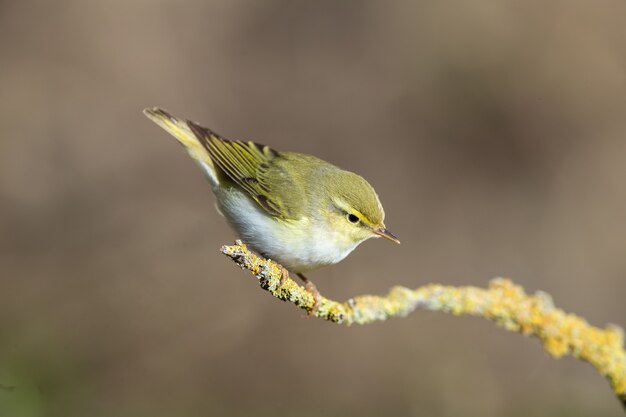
column 267, row 177
column 295, row 208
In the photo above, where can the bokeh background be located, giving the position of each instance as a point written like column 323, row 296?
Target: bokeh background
column 494, row 132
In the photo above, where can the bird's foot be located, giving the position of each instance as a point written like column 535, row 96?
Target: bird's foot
column 283, row 276
column 311, row 289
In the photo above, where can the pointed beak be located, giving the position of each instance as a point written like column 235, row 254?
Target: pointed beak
column 381, row 231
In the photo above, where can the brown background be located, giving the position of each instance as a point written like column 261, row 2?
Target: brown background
column 492, row 130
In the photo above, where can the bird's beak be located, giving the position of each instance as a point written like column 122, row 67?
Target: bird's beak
column 381, row 231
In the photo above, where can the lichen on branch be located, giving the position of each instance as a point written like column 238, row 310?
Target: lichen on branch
column 502, row 302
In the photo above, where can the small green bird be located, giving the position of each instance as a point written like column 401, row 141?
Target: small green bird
column 296, row 209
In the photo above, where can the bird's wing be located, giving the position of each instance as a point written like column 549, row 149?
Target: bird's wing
column 255, row 169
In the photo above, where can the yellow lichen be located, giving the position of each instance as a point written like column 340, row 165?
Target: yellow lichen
column 502, row 302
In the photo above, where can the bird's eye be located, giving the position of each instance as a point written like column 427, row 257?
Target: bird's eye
column 352, row 218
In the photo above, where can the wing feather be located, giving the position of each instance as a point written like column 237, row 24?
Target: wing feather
column 249, row 165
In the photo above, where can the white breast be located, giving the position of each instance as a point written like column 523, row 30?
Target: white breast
column 299, row 245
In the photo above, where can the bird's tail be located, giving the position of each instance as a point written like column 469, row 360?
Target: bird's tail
column 182, row 131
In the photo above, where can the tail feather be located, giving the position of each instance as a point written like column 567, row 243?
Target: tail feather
column 182, row 131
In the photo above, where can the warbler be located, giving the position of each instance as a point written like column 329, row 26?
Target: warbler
column 296, row 209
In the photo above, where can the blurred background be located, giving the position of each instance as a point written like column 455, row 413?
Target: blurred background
column 493, row 131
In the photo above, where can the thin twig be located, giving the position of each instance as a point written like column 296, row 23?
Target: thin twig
column 502, row 302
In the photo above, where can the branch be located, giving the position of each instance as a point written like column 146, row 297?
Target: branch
column 502, row 302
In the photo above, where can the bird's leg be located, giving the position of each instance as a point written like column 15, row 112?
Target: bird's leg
column 311, row 289
column 308, row 285
column 284, row 275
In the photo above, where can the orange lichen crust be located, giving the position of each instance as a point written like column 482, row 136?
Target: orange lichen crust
column 502, row 302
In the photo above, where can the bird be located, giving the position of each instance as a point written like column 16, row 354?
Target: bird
column 296, row 209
